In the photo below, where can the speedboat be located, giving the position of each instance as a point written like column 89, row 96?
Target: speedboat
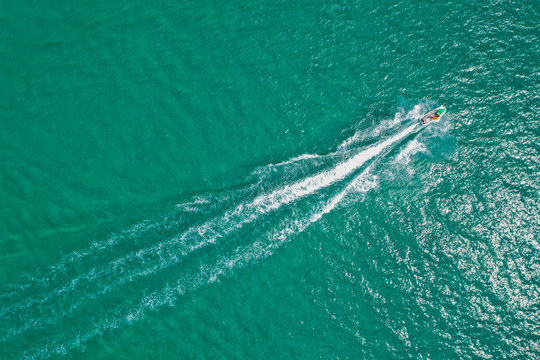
column 433, row 115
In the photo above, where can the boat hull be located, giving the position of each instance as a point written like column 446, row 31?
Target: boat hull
column 433, row 116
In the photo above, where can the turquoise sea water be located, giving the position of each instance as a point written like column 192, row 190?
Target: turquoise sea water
column 248, row 180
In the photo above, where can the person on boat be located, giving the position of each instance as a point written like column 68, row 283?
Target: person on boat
column 437, row 114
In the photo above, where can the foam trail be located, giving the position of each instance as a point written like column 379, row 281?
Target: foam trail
column 291, row 161
column 206, row 275
column 52, row 279
column 347, row 145
column 135, row 232
column 75, row 256
column 246, row 213
column 139, row 229
column 221, row 226
column 383, row 126
column 310, row 185
column 361, row 183
column 318, row 159
column 194, row 205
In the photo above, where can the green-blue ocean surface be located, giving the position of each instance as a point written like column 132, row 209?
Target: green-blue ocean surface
column 250, row 180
